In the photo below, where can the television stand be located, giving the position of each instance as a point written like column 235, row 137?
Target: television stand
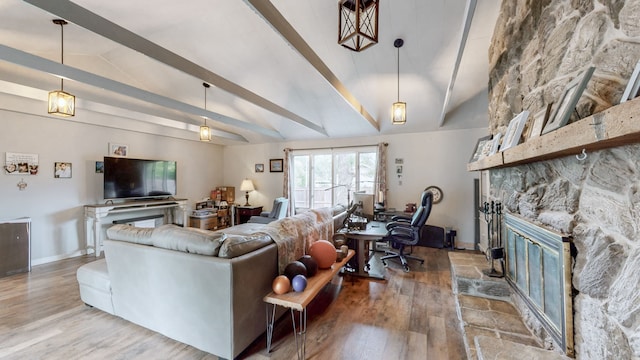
column 97, row 217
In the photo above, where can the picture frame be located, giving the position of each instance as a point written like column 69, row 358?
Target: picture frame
column 275, row 165
column 477, row 150
column 540, row 121
column 572, row 93
column 62, row 170
column 259, row 168
column 99, row 167
column 514, row 131
column 21, row 164
column 118, row 150
column 633, row 87
column 495, row 144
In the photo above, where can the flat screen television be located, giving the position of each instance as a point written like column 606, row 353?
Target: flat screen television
column 126, row 178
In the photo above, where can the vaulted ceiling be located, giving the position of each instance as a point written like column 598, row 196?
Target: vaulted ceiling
column 276, row 70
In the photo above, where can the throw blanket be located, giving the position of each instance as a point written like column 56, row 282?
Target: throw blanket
column 293, row 235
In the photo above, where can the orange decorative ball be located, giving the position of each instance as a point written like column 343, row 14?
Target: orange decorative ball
column 323, row 253
column 281, row 284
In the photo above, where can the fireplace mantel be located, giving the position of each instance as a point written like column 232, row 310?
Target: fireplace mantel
column 618, row 125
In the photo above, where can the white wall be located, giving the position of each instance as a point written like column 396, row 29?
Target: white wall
column 56, row 205
column 431, row 158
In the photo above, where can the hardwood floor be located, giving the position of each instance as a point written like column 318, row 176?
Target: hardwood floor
column 408, row 316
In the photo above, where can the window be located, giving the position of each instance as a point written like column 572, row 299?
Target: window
column 329, row 177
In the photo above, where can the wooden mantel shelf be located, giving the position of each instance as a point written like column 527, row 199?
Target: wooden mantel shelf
column 618, row 125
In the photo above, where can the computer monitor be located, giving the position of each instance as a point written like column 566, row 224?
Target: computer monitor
column 366, row 204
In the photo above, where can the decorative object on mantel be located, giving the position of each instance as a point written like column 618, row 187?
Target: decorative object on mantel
column 514, row 131
column 21, row 164
column 495, row 144
column 60, row 102
column 399, row 109
column 540, row 121
column 246, row 186
column 633, row 87
column 22, row 185
column 357, row 23
column 568, row 102
column 477, row 152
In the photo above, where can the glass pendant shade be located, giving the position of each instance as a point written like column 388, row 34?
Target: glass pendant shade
column 399, row 113
column 205, row 132
column 357, row 23
column 62, row 103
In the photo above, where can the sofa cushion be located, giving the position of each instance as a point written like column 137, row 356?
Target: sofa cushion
column 236, row 245
column 124, row 232
column 190, row 240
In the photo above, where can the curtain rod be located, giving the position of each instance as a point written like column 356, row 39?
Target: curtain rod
column 337, row 147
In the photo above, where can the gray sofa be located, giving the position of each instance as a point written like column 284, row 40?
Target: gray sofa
column 199, row 287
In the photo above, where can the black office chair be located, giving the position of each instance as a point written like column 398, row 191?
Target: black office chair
column 402, row 234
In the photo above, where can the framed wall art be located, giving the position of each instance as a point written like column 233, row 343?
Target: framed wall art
column 118, row 150
column 275, row 165
column 568, row 101
column 514, row 131
column 20, row 164
column 259, row 168
column 62, row 170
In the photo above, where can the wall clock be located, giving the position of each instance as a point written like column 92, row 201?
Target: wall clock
column 437, row 193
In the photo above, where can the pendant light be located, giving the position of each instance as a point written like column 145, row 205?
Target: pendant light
column 205, row 131
column 399, row 109
column 358, row 23
column 60, row 102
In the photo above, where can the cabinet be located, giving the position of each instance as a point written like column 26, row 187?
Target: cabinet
column 15, row 246
column 244, row 213
column 207, row 222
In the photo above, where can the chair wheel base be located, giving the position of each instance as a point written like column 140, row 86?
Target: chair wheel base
column 406, row 268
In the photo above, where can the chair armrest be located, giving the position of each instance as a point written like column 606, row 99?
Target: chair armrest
column 397, row 224
column 265, row 213
column 401, row 218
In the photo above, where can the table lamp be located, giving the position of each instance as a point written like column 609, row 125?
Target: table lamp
column 247, row 185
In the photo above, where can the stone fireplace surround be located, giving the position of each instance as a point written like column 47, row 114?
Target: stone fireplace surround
column 537, row 48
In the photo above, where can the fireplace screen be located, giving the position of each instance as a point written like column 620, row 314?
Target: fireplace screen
column 539, row 269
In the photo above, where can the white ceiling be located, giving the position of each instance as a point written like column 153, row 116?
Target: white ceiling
column 268, row 84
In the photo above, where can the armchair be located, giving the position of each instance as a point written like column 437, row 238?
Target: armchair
column 402, row 234
column 278, row 211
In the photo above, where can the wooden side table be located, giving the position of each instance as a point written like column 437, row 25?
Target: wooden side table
column 244, row 213
column 299, row 301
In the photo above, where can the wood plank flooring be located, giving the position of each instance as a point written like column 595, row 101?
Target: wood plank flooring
column 408, row 316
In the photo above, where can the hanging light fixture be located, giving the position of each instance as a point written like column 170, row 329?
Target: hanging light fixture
column 399, row 109
column 205, row 131
column 357, row 23
column 60, row 102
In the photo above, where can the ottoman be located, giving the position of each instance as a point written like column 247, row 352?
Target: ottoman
column 95, row 286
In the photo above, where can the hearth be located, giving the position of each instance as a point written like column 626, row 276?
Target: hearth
column 539, row 270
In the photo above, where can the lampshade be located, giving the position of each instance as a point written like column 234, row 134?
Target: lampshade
column 205, row 131
column 399, row 108
column 399, row 113
column 357, row 23
column 247, row 185
column 60, row 102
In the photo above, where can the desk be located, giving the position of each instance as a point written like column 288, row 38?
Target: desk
column 299, row 301
column 375, row 231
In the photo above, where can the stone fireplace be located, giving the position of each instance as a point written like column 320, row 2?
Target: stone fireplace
column 537, row 48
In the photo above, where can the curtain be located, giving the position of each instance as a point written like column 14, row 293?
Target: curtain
column 380, row 195
column 287, row 185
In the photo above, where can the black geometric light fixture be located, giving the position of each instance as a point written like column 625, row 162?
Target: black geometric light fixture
column 205, row 131
column 358, row 23
column 60, row 102
column 399, row 109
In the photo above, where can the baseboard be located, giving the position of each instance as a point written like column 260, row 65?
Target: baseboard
column 50, row 259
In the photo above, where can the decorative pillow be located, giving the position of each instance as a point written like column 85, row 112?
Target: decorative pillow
column 190, row 240
column 136, row 235
column 239, row 245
